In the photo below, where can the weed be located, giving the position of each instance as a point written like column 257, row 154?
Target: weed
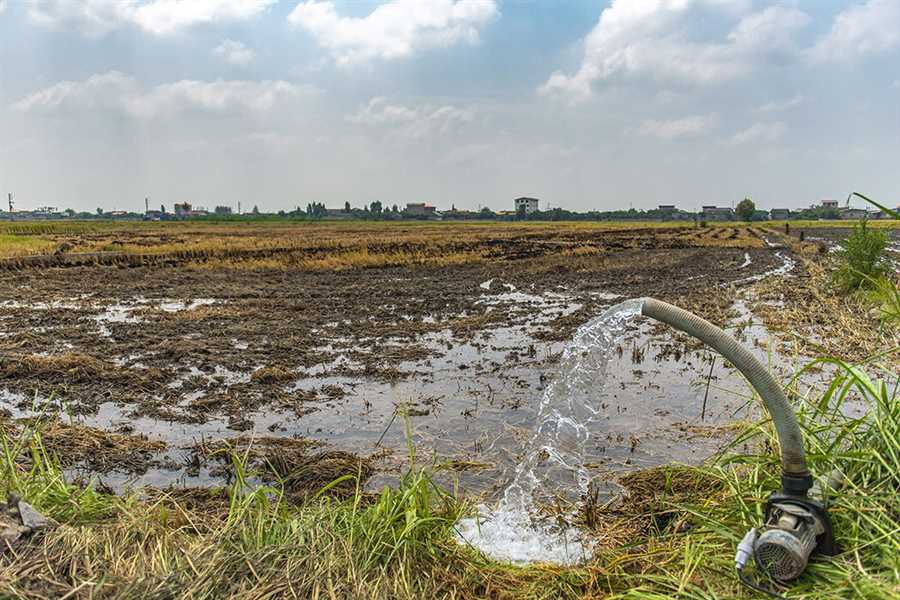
column 862, row 258
column 886, row 296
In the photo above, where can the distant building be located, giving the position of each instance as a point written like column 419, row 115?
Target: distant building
column 829, row 203
column 526, row 205
column 780, row 214
column 714, row 213
column 420, row 210
column 669, row 212
column 854, row 214
column 459, row 214
column 45, row 212
column 185, row 211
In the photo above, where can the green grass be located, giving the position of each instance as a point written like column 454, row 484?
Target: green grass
column 861, row 258
column 400, row 543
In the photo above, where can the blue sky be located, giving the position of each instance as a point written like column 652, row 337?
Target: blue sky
column 584, row 104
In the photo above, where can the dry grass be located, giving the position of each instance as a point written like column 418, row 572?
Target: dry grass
column 812, row 319
column 22, row 245
column 272, row 375
column 70, row 368
column 357, row 245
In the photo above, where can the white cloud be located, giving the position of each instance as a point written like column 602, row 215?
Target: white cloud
column 234, row 53
column 91, row 17
column 782, row 105
column 396, row 29
column 2, row 6
column 119, row 93
column 677, row 128
column 651, row 39
column 759, row 132
column 411, row 122
column 97, row 17
column 104, row 91
column 861, row 30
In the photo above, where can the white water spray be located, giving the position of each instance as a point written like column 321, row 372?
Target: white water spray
column 513, row 531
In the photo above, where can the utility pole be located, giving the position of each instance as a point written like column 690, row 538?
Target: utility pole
column 10, row 202
column 146, row 205
column 239, row 207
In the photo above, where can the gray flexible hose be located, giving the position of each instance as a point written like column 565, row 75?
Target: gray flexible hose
column 793, row 456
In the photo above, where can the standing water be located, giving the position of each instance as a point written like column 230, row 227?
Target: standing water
column 512, row 530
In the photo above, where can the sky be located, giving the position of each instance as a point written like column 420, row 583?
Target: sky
column 586, row 105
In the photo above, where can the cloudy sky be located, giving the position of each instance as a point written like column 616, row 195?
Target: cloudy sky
column 582, row 103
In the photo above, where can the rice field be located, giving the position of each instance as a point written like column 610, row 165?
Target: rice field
column 268, row 410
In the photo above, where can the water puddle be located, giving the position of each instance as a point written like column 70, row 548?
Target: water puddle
column 787, row 265
column 123, row 312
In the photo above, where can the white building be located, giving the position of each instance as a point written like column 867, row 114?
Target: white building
column 526, row 205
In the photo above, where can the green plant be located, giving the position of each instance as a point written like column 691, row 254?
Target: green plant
column 29, row 470
column 887, row 297
column 861, row 258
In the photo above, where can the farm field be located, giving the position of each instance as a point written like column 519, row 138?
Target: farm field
column 153, row 354
column 191, row 335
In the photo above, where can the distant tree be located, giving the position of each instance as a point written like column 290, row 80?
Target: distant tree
column 99, row 212
column 395, row 209
column 486, row 213
column 346, row 207
column 316, row 210
column 745, row 209
column 162, row 208
column 255, row 210
column 375, row 208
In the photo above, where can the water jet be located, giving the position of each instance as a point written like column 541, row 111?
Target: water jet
column 795, row 525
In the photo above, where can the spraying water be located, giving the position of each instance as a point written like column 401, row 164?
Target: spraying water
column 513, row 531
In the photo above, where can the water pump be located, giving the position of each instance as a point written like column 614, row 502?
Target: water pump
column 795, row 525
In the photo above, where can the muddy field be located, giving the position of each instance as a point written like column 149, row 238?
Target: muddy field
column 147, row 350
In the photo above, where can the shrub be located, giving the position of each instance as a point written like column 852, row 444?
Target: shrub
column 861, row 258
column 745, row 209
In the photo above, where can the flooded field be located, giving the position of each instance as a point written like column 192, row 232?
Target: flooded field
column 149, row 348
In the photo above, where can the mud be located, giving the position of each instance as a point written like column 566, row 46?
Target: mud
column 185, row 347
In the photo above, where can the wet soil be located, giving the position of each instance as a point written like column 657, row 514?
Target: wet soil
column 187, row 354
